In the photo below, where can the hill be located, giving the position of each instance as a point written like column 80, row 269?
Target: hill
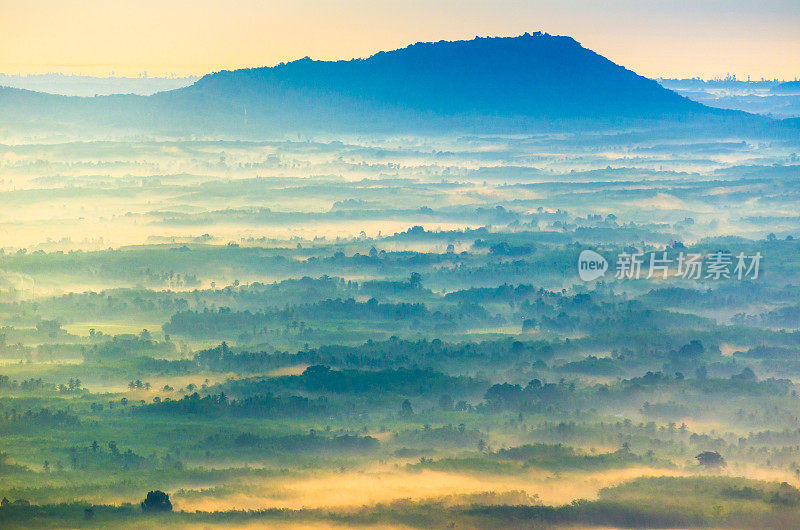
column 788, row 87
column 485, row 83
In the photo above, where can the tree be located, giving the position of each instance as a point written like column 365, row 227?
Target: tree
column 711, row 460
column 406, row 409
column 694, row 349
column 446, row 402
column 747, row 375
column 156, row 501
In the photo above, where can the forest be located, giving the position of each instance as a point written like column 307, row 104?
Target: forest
column 366, row 331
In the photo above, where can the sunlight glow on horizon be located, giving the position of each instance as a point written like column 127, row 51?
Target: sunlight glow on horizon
column 656, row 38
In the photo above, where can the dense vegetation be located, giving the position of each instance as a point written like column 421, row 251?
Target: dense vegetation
column 206, row 335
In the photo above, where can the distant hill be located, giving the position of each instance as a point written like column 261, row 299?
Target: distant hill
column 85, row 85
column 485, row 83
column 789, row 87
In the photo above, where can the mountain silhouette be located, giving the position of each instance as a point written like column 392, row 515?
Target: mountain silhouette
column 484, row 83
column 788, row 87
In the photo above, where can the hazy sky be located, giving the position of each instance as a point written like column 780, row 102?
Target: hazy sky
column 668, row 38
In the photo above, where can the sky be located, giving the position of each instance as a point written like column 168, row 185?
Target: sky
column 656, row 38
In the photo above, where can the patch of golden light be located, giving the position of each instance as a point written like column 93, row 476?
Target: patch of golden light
column 288, row 370
column 364, row 488
column 755, row 472
column 158, row 382
column 111, row 328
column 728, row 349
column 280, row 525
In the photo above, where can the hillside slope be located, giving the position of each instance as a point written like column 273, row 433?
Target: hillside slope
column 485, row 83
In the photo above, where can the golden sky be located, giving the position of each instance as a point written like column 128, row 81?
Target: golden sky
column 669, row 38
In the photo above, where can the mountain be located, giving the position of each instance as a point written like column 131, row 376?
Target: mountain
column 85, row 85
column 788, row 87
column 496, row 83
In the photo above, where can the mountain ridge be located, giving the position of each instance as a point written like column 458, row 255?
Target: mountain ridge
column 524, row 82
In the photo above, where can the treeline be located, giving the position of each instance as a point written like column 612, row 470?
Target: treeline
column 538, row 396
column 584, row 313
column 405, row 381
column 439, row 354
column 129, row 346
column 783, row 318
column 376, row 355
column 26, row 386
column 225, row 321
column 96, row 457
column 323, row 380
column 558, row 457
column 311, row 442
column 223, row 359
column 256, row 406
column 12, row 420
